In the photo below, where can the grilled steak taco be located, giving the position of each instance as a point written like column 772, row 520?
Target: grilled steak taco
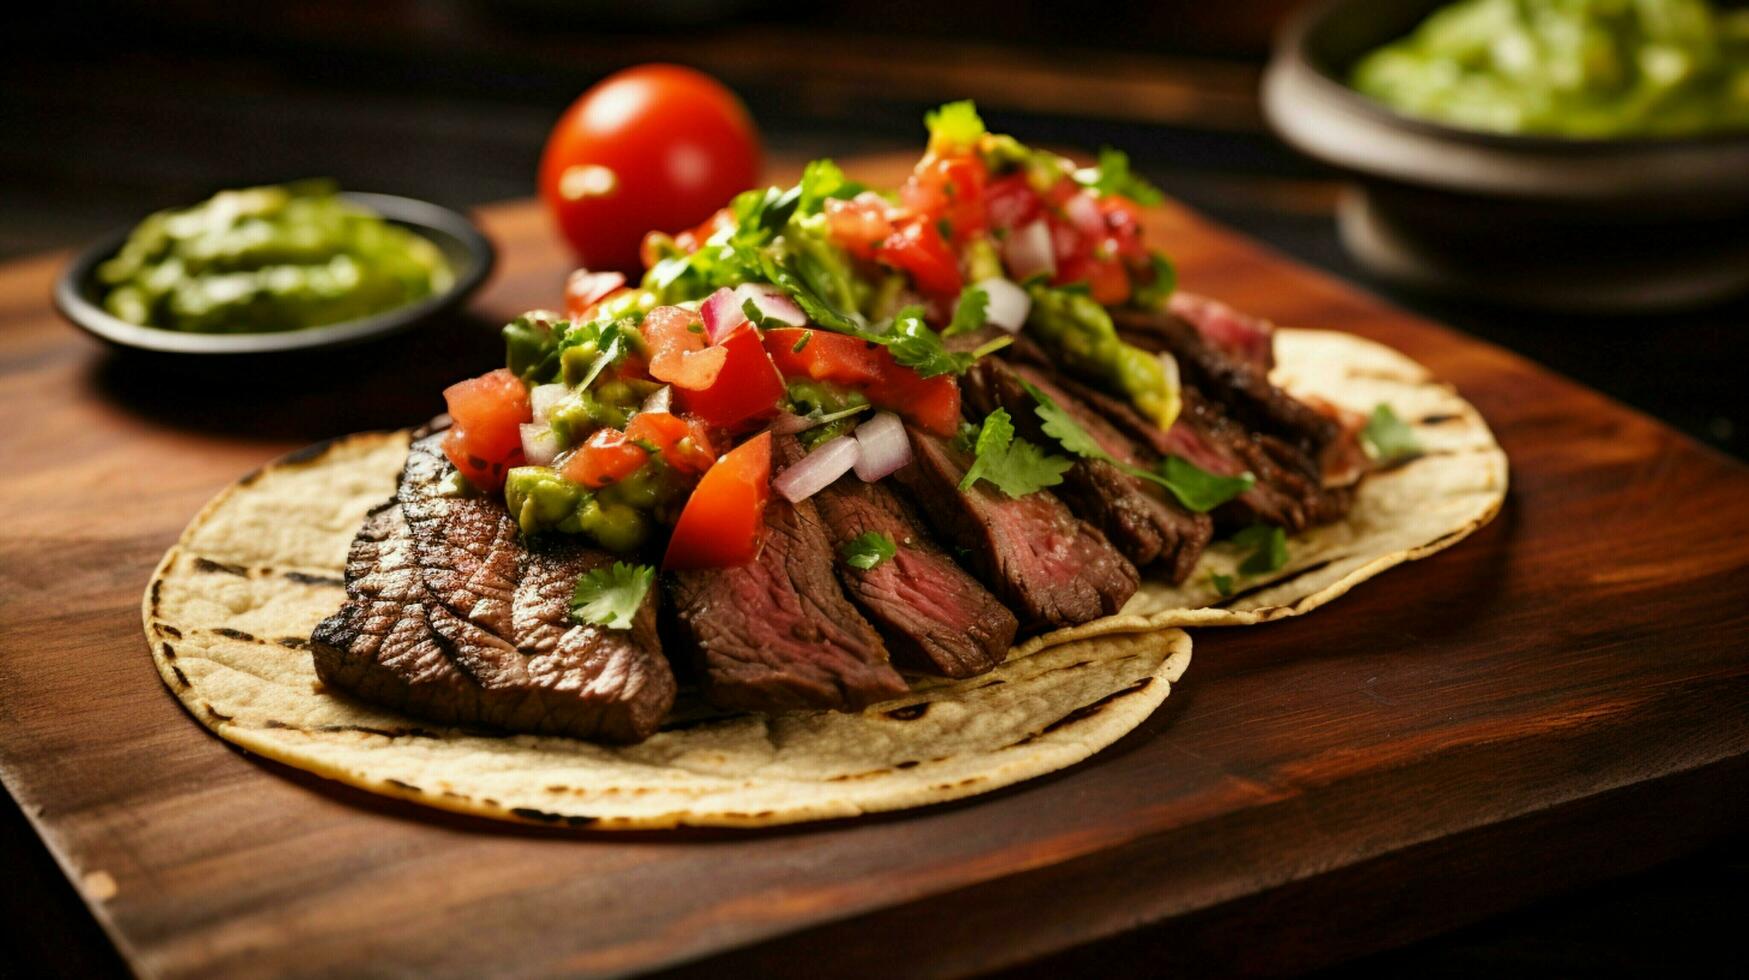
column 854, row 502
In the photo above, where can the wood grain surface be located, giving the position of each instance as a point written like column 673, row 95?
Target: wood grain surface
column 1561, row 698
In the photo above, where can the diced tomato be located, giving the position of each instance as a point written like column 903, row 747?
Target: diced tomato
column 723, row 522
column 860, row 224
column 1106, row 278
column 1123, row 224
column 609, row 456
column 679, row 351
column 1011, row 202
column 746, row 387
column 917, row 248
column 1066, row 243
column 949, row 189
column 832, row 357
column 584, row 291
column 484, row 439
column 933, row 403
column 651, row 248
column 685, row 444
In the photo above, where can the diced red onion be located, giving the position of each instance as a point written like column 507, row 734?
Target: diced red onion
column 539, row 444
column 660, row 400
column 543, row 399
column 789, row 423
column 1027, row 251
column 1008, row 304
column 1083, row 211
column 774, row 304
column 818, row 470
column 884, row 445
column 722, row 313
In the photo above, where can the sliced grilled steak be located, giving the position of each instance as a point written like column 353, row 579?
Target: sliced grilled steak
column 1136, row 516
column 1051, row 569
column 936, row 617
column 778, row 633
column 1288, row 491
column 1238, row 335
column 1240, row 385
column 449, row 617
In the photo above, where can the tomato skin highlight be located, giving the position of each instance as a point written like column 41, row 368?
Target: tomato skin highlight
column 607, row 457
column 861, row 224
column 723, row 522
column 1105, row 278
column 831, row 357
column 679, row 350
column 747, row 388
column 932, row 403
column 1011, row 202
column 484, row 440
column 651, row 147
column 685, row 444
column 949, row 189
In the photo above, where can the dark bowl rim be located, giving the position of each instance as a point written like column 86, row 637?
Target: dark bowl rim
column 424, row 218
column 1293, row 42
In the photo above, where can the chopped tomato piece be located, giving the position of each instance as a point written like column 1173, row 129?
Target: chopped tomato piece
column 860, row 224
column 685, row 444
column 1106, row 278
column 609, row 456
column 679, row 350
column 917, row 248
column 951, row 190
column 584, row 291
column 933, row 403
column 746, row 387
column 1123, row 224
column 800, row 352
column 1011, row 202
column 723, row 522
column 485, row 440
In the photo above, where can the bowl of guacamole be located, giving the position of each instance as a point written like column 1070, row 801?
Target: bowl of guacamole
column 271, row 268
column 1580, row 155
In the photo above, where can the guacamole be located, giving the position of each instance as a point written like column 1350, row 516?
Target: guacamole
column 263, row 259
column 1588, row 69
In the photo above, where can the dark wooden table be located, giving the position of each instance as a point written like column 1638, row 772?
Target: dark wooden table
column 1560, row 699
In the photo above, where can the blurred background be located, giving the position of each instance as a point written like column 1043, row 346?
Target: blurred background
column 112, row 110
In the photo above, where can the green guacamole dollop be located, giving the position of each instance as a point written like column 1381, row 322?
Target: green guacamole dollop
column 263, row 259
column 1587, row 69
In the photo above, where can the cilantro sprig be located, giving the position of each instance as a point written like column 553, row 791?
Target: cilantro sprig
column 1196, row 488
column 1268, row 545
column 868, row 550
column 610, row 596
column 1010, row 463
column 970, row 313
column 1112, row 175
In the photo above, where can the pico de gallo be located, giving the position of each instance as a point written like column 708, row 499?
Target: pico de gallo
column 641, row 416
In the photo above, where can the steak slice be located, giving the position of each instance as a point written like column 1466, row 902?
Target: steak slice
column 1050, row 568
column 1138, row 517
column 1288, row 492
column 778, row 633
column 936, row 617
column 1238, row 335
column 1240, row 385
column 449, row 617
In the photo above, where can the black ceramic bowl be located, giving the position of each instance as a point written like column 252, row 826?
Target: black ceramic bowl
column 79, row 296
column 1620, row 225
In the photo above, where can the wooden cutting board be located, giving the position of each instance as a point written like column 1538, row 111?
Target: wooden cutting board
column 1562, row 697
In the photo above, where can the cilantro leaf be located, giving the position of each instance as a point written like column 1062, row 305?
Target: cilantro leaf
column 1113, row 176
column 531, row 346
column 1223, row 584
column 612, row 344
column 1011, row 464
column 868, row 549
column 1152, row 295
column 919, row 348
column 1387, row 438
column 1269, row 549
column 1197, row 489
column 823, row 180
column 611, row 596
column 974, row 306
column 955, row 125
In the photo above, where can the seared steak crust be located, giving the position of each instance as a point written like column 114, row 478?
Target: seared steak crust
column 1138, row 517
column 1050, row 568
column 449, row 617
column 777, row 633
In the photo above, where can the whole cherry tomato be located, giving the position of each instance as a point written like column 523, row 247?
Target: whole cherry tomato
column 656, row 147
